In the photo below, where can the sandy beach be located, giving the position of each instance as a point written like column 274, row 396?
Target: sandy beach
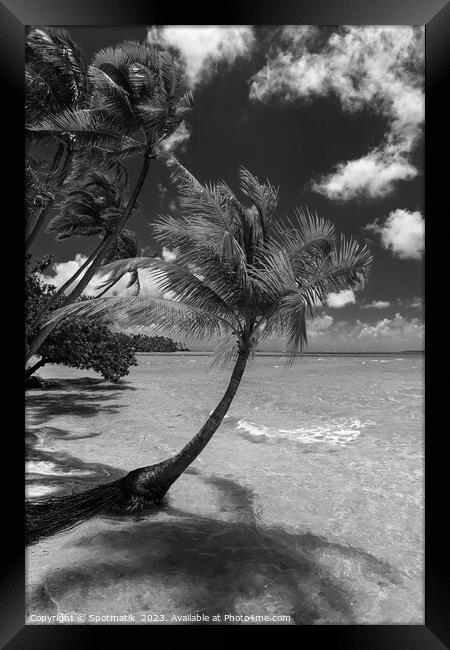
column 307, row 505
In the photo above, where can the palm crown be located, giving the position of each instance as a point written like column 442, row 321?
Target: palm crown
column 90, row 206
column 56, row 76
column 136, row 100
column 239, row 273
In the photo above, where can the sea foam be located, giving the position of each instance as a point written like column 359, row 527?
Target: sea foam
column 339, row 432
column 50, row 469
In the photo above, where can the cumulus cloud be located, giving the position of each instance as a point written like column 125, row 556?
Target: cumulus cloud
column 373, row 175
column 168, row 255
column 380, row 68
column 177, row 141
column 402, row 232
column 377, row 304
column 203, row 47
column 319, row 324
column 412, row 303
column 60, row 272
column 387, row 334
column 383, row 335
column 340, row 299
column 392, row 327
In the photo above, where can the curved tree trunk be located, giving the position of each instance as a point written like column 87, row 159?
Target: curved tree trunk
column 49, row 304
column 30, row 371
column 137, row 490
column 59, row 181
column 96, row 262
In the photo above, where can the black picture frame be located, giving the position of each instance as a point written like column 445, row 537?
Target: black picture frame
column 435, row 15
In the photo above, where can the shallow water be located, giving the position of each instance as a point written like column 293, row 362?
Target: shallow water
column 307, row 504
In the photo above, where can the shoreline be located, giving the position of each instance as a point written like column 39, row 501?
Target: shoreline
column 346, row 515
column 207, row 353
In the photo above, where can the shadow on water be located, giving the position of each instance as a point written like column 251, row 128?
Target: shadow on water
column 210, row 566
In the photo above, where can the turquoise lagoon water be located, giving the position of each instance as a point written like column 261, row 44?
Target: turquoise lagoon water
column 305, row 508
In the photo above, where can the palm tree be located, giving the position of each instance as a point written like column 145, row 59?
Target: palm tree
column 137, row 102
column 240, row 275
column 92, row 206
column 56, row 80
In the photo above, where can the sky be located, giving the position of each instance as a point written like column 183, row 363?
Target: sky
column 334, row 117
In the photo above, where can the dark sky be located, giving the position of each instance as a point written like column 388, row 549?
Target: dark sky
column 292, row 142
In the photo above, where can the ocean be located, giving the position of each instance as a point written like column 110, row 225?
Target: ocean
column 307, row 506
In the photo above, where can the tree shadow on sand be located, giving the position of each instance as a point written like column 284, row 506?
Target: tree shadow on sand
column 210, row 566
column 50, row 471
column 83, row 397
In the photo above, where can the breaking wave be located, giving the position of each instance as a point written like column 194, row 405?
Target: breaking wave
column 338, row 433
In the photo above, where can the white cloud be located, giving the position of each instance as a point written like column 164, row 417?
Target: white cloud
column 320, row 324
column 379, row 68
column 168, row 255
column 202, row 47
column 398, row 333
column 61, row 272
column 402, row 232
column 177, row 141
column 414, row 303
column 340, row 299
column 373, row 175
column 377, row 304
column 392, row 328
column 326, row 334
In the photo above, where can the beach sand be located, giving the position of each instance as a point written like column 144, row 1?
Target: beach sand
column 307, row 504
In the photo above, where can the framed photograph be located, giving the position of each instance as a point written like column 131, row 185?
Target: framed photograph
column 225, row 281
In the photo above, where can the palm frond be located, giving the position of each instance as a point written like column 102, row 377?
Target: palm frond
column 307, row 235
column 235, row 276
column 263, row 195
column 56, row 73
column 184, row 286
column 226, row 352
column 159, row 314
column 89, row 127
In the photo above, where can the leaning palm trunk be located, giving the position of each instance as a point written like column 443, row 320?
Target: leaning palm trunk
column 97, row 260
column 58, row 181
column 57, row 295
column 140, row 488
column 237, row 275
column 30, row 371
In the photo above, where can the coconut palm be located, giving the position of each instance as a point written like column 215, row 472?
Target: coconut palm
column 92, row 206
column 240, row 275
column 56, row 80
column 125, row 247
column 59, row 120
column 137, row 102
